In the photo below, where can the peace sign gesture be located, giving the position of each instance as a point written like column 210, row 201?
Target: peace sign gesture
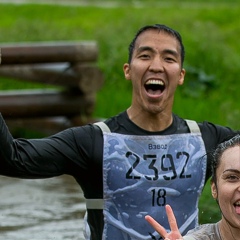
column 174, row 234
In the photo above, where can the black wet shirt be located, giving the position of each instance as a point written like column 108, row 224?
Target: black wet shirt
column 78, row 152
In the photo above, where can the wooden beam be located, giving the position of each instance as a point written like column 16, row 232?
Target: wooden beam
column 47, row 52
column 86, row 77
column 43, row 103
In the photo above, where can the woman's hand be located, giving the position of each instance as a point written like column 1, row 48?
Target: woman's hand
column 174, row 234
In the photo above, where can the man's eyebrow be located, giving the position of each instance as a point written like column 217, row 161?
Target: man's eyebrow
column 147, row 48
column 170, row 51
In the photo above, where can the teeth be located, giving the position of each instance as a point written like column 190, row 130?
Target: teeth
column 237, row 203
column 156, row 82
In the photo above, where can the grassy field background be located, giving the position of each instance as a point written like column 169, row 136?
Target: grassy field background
column 210, row 31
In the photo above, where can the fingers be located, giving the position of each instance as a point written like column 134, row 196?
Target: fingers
column 174, row 233
column 173, row 223
column 171, row 218
column 161, row 230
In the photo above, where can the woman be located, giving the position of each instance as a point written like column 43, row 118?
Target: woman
column 225, row 187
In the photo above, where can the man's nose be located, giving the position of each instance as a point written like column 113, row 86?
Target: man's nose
column 156, row 65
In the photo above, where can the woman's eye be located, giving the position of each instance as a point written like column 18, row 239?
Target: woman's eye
column 232, row 177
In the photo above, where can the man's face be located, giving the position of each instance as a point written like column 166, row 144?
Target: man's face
column 155, row 71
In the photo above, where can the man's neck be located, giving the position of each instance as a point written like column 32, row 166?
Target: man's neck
column 149, row 121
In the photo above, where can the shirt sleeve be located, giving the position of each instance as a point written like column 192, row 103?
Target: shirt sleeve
column 41, row 158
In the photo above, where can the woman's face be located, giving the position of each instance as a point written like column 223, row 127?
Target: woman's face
column 227, row 188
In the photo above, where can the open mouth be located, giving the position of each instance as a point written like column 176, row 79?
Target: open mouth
column 154, row 87
column 237, row 206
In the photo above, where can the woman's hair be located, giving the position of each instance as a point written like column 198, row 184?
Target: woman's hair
column 159, row 27
column 221, row 148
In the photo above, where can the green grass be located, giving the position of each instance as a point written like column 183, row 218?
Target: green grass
column 210, row 33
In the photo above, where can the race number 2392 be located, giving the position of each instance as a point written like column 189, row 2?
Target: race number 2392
column 166, row 159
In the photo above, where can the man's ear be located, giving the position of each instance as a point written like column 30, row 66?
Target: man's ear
column 126, row 70
column 214, row 190
column 182, row 76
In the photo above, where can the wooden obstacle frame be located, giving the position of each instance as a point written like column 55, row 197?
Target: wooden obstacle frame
column 68, row 68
